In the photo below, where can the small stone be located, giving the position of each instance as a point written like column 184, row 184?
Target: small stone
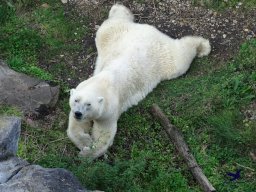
column 96, row 27
column 45, row 5
column 246, row 30
column 248, row 37
column 224, row 36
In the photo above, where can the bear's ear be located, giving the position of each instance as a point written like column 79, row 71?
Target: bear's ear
column 100, row 99
column 72, row 91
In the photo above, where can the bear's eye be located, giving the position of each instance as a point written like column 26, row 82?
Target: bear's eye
column 76, row 100
column 88, row 104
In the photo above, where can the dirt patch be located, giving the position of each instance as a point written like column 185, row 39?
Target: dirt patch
column 226, row 30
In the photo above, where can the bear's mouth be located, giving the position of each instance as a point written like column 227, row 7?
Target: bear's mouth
column 77, row 118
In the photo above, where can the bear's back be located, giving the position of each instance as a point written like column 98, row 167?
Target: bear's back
column 139, row 56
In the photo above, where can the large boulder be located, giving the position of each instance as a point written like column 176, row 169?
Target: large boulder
column 9, row 168
column 9, row 136
column 29, row 94
column 17, row 175
column 33, row 178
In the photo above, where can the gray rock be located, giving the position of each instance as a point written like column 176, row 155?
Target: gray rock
column 29, row 94
column 17, row 175
column 9, row 136
column 10, row 167
column 34, row 178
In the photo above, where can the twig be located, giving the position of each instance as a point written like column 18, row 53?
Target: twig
column 245, row 167
column 57, row 140
column 90, row 55
column 183, row 149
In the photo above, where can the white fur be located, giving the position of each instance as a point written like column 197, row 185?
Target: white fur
column 132, row 59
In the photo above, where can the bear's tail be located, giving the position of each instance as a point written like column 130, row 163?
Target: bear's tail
column 201, row 45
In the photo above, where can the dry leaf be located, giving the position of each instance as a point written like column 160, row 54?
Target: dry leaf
column 253, row 155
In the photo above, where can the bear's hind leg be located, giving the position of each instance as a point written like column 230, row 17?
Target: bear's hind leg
column 187, row 49
column 201, row 45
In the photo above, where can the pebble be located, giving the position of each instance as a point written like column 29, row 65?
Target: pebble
column 45, row 5
column 224, row 36
column 249, row 37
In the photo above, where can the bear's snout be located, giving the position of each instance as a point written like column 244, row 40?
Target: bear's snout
column 78, row 115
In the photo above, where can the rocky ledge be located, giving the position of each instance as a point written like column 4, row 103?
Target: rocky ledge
column 30, row 95
column 17, row 175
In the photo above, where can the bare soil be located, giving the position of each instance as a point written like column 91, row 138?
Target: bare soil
column 226, row 30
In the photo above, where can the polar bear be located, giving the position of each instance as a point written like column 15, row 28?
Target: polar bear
column 132, row 59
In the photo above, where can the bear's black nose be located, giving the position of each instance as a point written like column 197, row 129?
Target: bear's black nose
column 78, row 115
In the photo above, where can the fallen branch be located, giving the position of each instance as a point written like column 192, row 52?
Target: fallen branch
column 183, row 149
column 245, row 167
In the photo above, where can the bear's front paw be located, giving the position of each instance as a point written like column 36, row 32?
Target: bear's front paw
column 86, row 152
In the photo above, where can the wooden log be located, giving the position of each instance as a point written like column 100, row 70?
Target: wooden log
column 177, row 139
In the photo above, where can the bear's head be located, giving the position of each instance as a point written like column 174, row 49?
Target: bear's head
column 85, row 106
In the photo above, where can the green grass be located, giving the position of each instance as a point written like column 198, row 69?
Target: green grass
column 142, row 158
column 10, row 111
column 32, row 39
column 207, row 105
